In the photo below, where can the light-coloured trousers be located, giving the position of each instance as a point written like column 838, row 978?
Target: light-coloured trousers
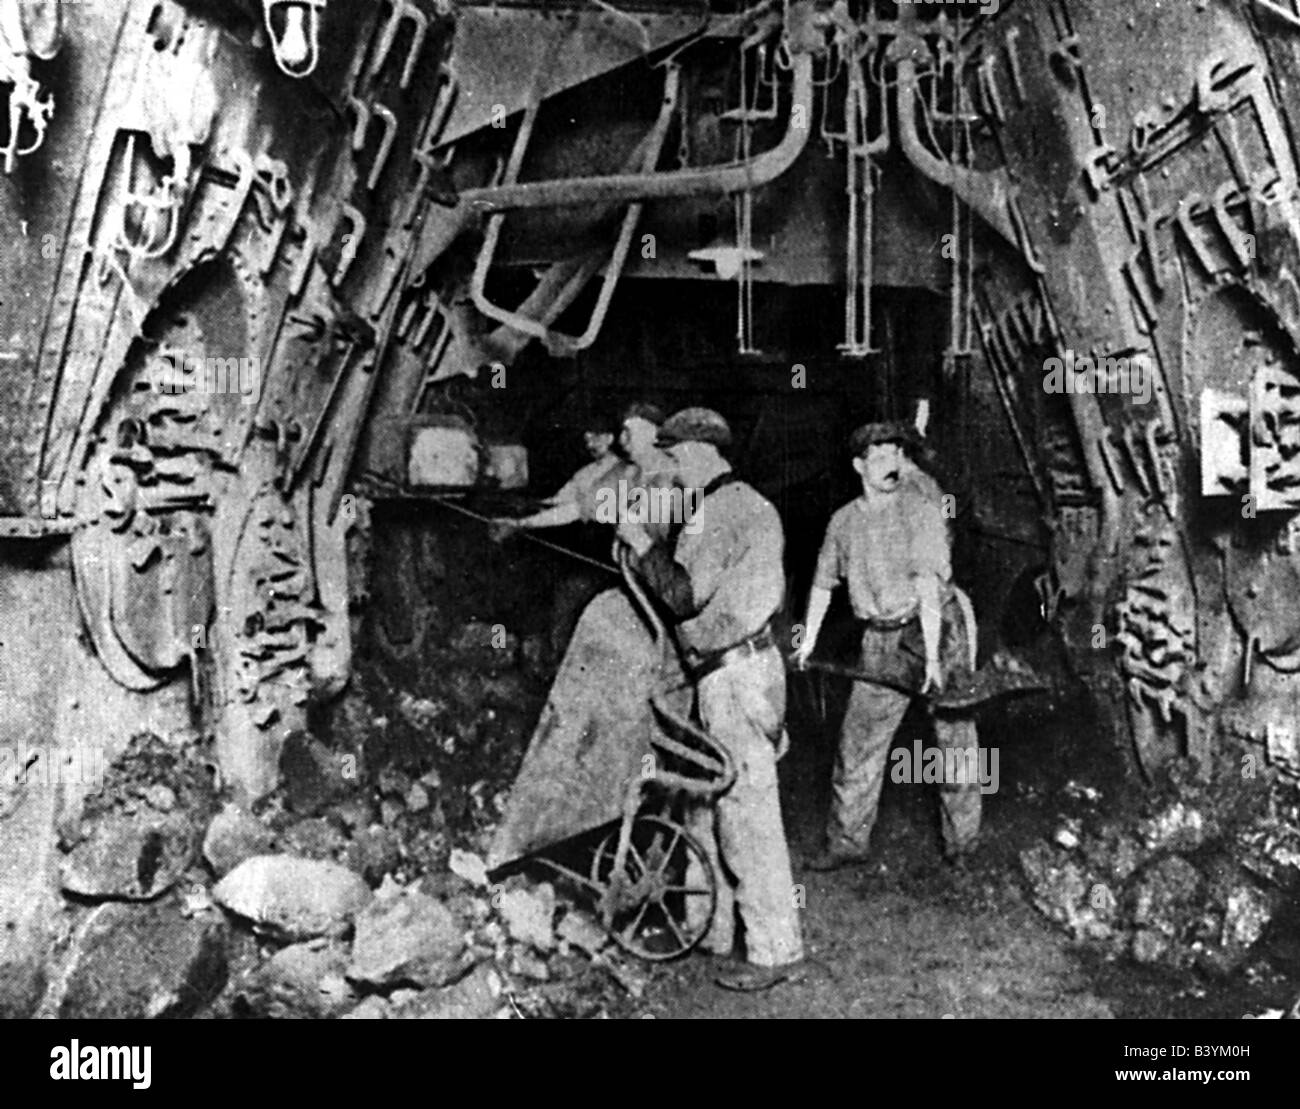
column 873, row 716
column 742, row 706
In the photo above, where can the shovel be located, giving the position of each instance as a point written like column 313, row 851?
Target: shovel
column 987, row 684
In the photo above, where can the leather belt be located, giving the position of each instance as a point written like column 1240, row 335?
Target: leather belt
column 705, row 664
column 878, row 625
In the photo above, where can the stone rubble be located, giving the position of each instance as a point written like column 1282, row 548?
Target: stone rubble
column 1194, row 882
column 137, row 962
column 405, row 936
column 232, row 837
column 358, row 895
column 293, row 898
column 135, row 837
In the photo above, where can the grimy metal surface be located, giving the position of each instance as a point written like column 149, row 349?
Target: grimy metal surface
column 290, row 224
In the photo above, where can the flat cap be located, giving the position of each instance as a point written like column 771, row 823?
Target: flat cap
column 695, row 425
column 870, row 435
column 644, row 410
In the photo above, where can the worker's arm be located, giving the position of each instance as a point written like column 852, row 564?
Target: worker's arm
column 557, row 516
column 563, row 508
column 829, row 572
column 819, row 600
column 928, row 591
column 667, row 578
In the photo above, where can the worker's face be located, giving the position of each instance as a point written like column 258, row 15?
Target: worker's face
column 637, row 437
column 598, row 443
column 881, row 468
column 689, row 462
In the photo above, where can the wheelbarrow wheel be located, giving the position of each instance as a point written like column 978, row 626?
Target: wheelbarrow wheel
column 649, row 908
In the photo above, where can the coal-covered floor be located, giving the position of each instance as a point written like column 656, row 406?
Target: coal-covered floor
column 1093, row 893
column 912, row 936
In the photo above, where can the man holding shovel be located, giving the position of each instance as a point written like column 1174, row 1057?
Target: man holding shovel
column 892, row 548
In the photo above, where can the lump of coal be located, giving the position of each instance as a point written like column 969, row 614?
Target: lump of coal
column 315, row 838
column 293, row 898
column 1179, row 826
column 474, row 997
column 232, row 837
column 528, row 915
column 303, row 980
column 145, row 961
column 313, row 775
column 406, row 937
column 134, row 857
column 141, row 830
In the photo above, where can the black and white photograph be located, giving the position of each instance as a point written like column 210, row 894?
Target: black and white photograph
column 650, row 509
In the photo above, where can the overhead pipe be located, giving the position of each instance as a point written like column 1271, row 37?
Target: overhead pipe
column 626, row 188
column 647, row 153
column 985, row 193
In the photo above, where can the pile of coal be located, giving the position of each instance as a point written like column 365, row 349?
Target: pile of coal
column 1193, row 881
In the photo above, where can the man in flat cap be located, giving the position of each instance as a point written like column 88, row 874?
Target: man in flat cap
column 599, row 494
column 891, row 546
column 565, row 505
column 723, row 579
column 595, row 492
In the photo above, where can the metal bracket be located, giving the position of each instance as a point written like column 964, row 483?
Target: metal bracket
column 400, row 11
column 361, row 132
column 1188, row 228
column 357, row 222
column 26, row 103
column 1097, row 170
column 1237, row 241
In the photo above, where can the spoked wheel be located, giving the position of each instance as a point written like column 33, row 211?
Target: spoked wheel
column 649, row 909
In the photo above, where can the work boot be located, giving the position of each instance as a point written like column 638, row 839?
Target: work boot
column 751, row 978
column 828, row 859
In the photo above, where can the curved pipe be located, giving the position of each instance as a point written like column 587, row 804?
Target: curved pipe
column 624, row 188
column 972, row 187
column 647, row 154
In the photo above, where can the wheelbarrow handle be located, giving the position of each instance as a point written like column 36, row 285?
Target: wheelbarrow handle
column 722, row 763
column 700, row 735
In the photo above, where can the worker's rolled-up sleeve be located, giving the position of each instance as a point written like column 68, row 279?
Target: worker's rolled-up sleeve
column 931, row 543
column 831, row 561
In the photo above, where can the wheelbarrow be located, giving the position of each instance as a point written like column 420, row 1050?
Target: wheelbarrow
column 615, row 748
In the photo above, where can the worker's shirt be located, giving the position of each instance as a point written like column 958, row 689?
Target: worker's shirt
column 880, row 546
column 579, row 487
column 724, row 579
column 644, row 495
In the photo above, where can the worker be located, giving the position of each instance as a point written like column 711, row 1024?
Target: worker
column 596, row 492
column 723, row 581
column 646, row 468
column 565, row 505
column 576, row 587
column 892, row 547
column 599, row 494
